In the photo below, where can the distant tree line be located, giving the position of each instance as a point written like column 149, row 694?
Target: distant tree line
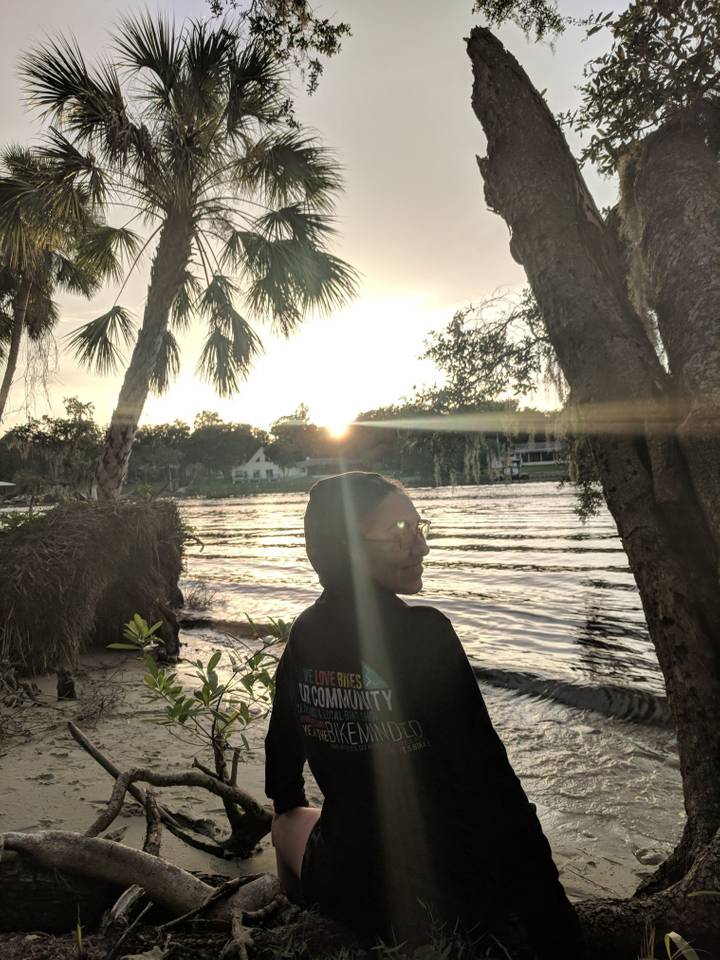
column 58, row 454
column 451, row 433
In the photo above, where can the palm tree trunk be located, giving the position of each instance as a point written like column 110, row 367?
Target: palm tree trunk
column 166, row 278
column 578, row 279
column 20, row 306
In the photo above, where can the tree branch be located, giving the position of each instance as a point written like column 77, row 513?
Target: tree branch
column 187, row 778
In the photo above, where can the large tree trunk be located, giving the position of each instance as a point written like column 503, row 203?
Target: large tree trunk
column 166, row 278
column 625, row 401
column 20, row 306
column 671, row 207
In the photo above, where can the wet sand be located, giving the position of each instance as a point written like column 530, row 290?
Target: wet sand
column 48, row 782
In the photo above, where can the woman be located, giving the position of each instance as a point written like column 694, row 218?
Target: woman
column 423, row 815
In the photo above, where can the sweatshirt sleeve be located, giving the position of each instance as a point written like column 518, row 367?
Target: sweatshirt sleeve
column 519, row 854
column 284, row 748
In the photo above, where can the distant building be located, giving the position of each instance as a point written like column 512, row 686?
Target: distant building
column 539, row 451
column 260, row 467
column 517, row 461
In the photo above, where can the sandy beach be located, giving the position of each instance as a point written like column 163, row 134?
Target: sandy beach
column 49, row 782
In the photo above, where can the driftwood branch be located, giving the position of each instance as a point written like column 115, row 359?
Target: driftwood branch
column 258, row 817
column 153, row 829
column 186, row 778
column 220, row 893
column 106, row 763
column 117, row 926
column 167, row 885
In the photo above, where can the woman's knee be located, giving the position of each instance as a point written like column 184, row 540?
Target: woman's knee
column 290, row 832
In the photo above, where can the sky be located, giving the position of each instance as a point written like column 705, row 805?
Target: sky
column 394, row 106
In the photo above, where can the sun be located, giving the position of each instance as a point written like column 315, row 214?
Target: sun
column 337, row 429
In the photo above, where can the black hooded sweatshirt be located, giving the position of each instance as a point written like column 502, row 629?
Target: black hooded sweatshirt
column 422, row 814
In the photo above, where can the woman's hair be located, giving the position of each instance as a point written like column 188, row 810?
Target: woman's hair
column 334, row 511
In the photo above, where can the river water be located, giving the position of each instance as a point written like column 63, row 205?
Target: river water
column 549, row 615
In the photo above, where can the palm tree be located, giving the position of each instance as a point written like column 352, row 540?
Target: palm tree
column 190, row 128
column 50, row 238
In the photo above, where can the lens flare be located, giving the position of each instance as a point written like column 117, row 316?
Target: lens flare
column 635, row 416
column 337, row 429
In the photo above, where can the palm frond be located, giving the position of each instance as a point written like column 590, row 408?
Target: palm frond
column 326, row 281
column 217, row 304
column 17, row 240
column 246, row 344
column 150, row 43
column 217, row 296
column 255, row 89
column 74, row 277
column 216, row 364
column 42, row 314
column 297, row 223
column 167, row 364
column 55, row 74
column 89, row 105
column 44, row 203
column 103, row 248
column 232, row 343
column 245, row 249
column 19, row 161
column 207, row 48
column 29, row 208
column 6, row 325
column 290, row 167
column 270, row 296
column 94, row 344
column 186, row 302
column 68, row 163
column 290, row 276
column 225, row 358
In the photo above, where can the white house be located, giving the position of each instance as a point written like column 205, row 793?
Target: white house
column 260, row 467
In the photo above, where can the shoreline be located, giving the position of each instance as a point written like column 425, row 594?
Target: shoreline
column 51, row 783
column 229, row 491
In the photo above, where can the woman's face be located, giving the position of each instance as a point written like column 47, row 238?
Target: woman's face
column 393, row 547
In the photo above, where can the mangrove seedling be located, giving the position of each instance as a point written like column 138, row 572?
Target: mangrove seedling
column 139, row 636
column 230, row 695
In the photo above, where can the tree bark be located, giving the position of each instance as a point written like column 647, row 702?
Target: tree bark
column 169, row 886
column 166, row 277
column 671, row 204
column 241, row 839
column 19, row 312
column 254, row 822
column 625, row 401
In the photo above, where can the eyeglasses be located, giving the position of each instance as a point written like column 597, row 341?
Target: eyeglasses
column 405, row 534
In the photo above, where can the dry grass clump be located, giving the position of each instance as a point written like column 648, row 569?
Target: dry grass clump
column 74, row 575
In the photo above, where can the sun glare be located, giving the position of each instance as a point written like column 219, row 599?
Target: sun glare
column 338, row 429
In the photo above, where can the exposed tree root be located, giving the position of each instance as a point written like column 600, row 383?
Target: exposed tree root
column 614, row 928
